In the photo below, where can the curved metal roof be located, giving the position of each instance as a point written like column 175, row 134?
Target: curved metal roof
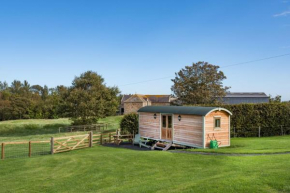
column 183, row 110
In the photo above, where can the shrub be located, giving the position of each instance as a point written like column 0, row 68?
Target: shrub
column 129, row 123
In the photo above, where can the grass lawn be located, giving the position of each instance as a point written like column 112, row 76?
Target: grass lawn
column 43, row 129
column 254, row 145
column 105, row 169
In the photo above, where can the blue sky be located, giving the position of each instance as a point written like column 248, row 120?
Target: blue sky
column 50, row 42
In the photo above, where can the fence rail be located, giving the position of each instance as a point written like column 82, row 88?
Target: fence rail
column 55, row 145
column 24, row 148
column 75, row 128
column 260, row 131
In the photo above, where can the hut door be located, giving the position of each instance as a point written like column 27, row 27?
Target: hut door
column 166, row 130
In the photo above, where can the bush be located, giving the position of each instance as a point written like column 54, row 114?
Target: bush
column 129, row 123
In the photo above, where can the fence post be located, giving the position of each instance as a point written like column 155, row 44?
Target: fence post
column 110, row 138
column 29, row 151
column 101, row 139
column 91, row 139
column 282, row 129
column 234, row 132
column 3, row 151
column 259, row 131
column 51, row 145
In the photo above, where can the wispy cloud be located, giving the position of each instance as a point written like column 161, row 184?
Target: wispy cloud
column 285, row 13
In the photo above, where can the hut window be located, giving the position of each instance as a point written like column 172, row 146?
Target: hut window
column 163, row 121
column 169, row 121
column 217, row 122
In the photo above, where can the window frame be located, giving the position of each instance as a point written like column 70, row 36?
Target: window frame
column 214, row 123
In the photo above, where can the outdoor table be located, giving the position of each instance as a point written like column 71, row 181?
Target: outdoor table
column 119, row 138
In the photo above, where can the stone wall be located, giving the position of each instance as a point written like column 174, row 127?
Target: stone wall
column 132, row 107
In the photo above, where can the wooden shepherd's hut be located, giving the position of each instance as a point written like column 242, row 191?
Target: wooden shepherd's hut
column 187, row 126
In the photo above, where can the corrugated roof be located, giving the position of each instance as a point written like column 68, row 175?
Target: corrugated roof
column 159, row 98
column 246, row 94
column 202, row 111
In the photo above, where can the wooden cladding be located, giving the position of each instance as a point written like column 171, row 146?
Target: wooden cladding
column 149, row 126
column 188, row 130
column 192, row 130
column 220, row 133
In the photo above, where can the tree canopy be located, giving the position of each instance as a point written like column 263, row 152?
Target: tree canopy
column 90, row 99
column 87, row 100
column 200, row 83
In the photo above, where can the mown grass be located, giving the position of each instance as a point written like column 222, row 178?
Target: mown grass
column 254, row 145
column 105, row 169
column 43, row 129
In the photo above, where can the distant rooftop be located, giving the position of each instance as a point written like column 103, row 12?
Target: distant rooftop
column 152, row 98
column 246, row 94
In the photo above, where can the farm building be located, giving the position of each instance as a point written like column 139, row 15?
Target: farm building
column 132, row 103
column 188, row 126
column 245, row 97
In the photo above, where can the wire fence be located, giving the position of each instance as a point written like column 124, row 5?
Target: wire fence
column 259, row 131
column 24, row 149
column 100, row 127
column 54, row 145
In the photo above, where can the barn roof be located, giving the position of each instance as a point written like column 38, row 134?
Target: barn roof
column 246, row 94
column 184, row 110
column 152, row 98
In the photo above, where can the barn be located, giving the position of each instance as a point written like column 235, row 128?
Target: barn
column 187, row 126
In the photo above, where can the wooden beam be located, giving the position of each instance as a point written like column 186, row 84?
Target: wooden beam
column 52, row 145
column 3, row 151
column 91, row 139
column 30, row 149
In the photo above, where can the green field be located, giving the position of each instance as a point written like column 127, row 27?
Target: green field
column 107, row 169
column 43, row 129
column 254, row 145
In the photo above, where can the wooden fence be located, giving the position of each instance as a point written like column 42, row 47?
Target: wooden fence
column 75, row 128
column 55, row 145
column 8, row 146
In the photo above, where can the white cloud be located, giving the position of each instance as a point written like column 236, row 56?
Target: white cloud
column 285, row 13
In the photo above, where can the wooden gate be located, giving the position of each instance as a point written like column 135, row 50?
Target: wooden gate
column 63, row 144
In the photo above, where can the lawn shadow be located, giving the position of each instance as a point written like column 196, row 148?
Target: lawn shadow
column 127, row 145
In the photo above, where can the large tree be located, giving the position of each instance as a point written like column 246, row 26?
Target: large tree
column 200, row 83
column 90, row 99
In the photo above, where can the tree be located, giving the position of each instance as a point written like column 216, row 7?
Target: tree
column 90, row 99
column 276, row 99
column 129, row 123
column 200, row 83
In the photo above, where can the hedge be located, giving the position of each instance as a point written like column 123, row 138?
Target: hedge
column 247, row 118
column 272, row 118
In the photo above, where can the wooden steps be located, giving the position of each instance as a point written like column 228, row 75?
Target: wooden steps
column 162, row 146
